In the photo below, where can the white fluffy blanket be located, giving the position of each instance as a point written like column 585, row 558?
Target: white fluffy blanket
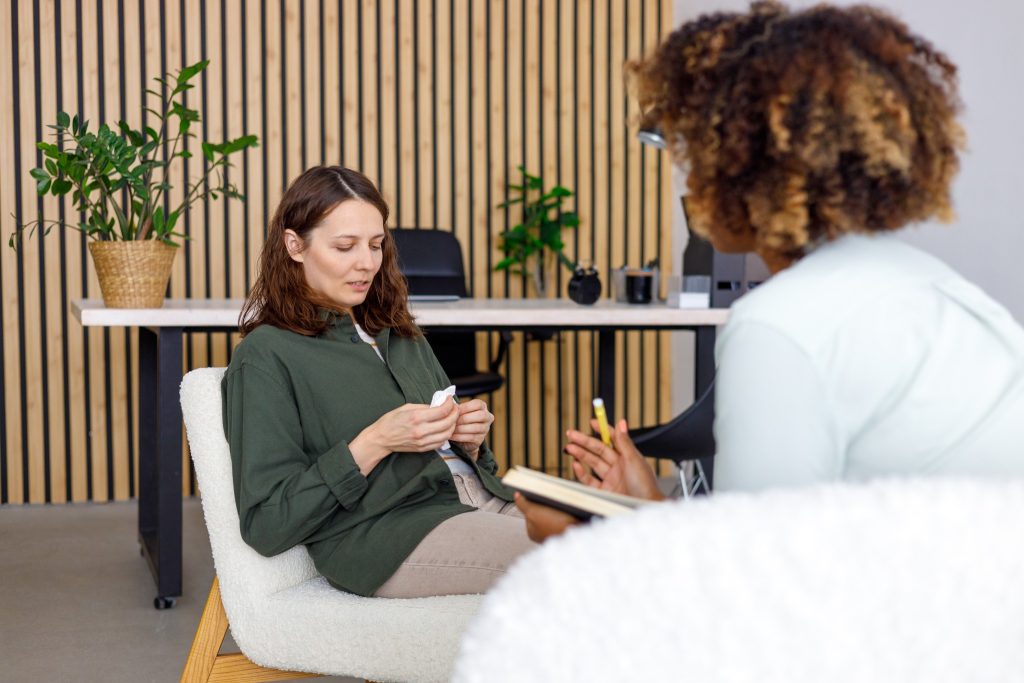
column 901, row 580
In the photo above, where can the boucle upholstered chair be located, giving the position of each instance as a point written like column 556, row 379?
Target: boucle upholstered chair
column 282, row 614
column 891, row 581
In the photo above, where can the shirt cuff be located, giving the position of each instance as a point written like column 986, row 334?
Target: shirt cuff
column 342, row 475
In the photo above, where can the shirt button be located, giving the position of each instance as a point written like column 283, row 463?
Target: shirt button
column 355, row 338
column 445, row 482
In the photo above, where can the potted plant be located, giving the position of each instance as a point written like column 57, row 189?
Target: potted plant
column 531, row 244
column 119, row 181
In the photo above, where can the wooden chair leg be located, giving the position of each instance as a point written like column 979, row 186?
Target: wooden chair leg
column 205, row 664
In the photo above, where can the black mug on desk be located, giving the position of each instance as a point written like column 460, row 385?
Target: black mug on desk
column 639, row 286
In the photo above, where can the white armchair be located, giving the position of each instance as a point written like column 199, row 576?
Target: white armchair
column 901, row 580
column 282, row 614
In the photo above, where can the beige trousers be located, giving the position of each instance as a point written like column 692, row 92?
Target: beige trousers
column 464, row 554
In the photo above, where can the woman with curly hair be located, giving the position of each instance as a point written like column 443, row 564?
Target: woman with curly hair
column 334, row 443
column 809, row 137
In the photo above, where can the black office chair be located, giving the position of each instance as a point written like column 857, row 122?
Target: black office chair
column 686, row 437
column 432, row 263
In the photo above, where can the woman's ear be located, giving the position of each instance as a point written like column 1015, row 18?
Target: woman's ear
column 293, row 245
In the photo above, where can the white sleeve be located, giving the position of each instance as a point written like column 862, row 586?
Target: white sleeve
column 774, row 425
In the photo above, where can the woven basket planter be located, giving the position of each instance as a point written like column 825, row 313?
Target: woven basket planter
column 133, row 274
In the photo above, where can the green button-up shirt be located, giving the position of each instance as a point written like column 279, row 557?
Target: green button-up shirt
column 292, row 404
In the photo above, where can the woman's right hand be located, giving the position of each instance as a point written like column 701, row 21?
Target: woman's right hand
column 411, row 428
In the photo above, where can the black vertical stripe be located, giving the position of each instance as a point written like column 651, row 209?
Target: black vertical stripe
column 470, row 176
column 505, row 174
column 608, row 139
column 129, row 403
column 660, row 156
column 19, row 268
column 205, row 116
column 359, row 72
column 342, row 49
column 62, row 216
column 490, row 169
column 380, row 110
column 44, row 350
column 283, row 59
column 433, row 110
column 544, row 275
column 102, row 88
column 576, row 189
column 303, row 111
column 225, row 57
column 416, row 112
column 593, row 147
column 397, row 150
column 264, row 144
column 84, row 275
column 246, row 189
column 628, row 337
column 187, row 245
column 558, row 174
column 453, row 176
column 323, row 85
column 524, row 348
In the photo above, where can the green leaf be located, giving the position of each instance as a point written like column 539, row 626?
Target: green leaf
column 63, row 120
column 158, row 220
column 51, row 167
column 39, row 174
column 208, row 150
column 189, row 72
column 238, row 144
column 61, row 187
column 151, row 132
column 184, row 154
column 43, row 186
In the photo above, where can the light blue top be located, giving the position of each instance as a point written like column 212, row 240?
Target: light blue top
column 867, row 358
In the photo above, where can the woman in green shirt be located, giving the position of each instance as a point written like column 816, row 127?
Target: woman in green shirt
column 326, row 409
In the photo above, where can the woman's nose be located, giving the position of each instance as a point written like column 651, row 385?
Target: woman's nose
column 365, row 261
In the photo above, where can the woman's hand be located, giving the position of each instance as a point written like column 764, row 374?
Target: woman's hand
column 411, row 428
column 620, row 467
column 472, row 426
column 543, row 522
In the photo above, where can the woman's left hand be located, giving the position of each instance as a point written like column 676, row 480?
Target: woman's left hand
column 472, row 425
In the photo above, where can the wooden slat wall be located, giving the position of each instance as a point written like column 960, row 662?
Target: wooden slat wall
column 437, row 100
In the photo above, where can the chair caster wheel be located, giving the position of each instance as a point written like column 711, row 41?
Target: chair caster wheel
column 163, row 603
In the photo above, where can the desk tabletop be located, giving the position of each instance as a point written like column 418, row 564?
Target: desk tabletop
column 484, row 313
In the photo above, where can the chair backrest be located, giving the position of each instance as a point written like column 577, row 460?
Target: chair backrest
column 245, row 575
column 431, row 261
column 898, row 580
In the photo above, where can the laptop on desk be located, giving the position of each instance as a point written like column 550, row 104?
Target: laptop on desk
column 434, row 297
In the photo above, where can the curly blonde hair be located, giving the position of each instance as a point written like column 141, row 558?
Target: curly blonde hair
column 798, row 127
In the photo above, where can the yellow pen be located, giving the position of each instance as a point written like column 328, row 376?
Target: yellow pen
column 602, row 421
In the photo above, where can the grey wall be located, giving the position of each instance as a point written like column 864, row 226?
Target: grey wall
column 984, row 38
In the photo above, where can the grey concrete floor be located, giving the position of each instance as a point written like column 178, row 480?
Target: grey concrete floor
column 76, row 598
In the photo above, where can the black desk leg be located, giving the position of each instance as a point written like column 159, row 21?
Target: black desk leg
column 704, row 375
column 606, row 372
column 160, row 459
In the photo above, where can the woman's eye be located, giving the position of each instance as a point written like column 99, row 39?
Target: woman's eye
column 375, row 247
column 344, row 248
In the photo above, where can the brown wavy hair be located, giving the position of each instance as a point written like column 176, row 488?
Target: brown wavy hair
column 797, row 127
column 282, row 298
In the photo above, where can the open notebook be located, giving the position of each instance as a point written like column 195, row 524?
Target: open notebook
column 573, row 497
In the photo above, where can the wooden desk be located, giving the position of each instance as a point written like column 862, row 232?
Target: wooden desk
column 160, row 364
